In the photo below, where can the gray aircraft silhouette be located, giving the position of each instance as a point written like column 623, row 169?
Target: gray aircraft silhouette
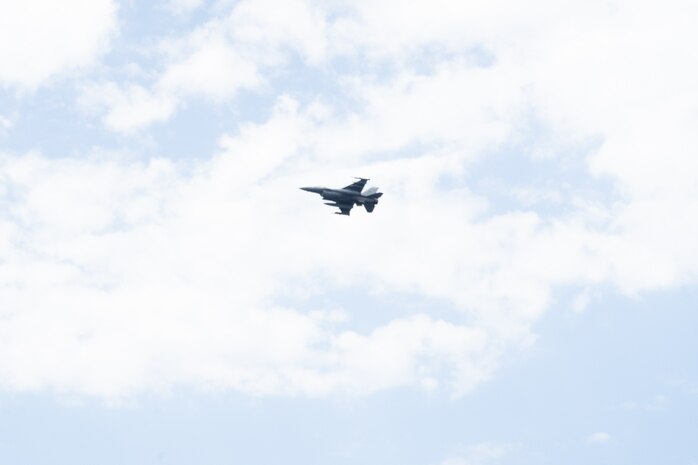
column 346, row 197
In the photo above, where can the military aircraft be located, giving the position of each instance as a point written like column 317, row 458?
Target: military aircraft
column 346, row 197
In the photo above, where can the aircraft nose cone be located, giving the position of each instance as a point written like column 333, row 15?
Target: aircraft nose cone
column 316, row 190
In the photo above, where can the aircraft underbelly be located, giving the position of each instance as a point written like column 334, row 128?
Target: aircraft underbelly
column 331, row 196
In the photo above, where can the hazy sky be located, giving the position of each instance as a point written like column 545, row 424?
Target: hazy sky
column 524, row 293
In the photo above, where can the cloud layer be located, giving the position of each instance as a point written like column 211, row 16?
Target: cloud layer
column 121, row 275
column 40, row 39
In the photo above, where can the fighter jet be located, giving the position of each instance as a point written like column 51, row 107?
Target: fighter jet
column 346, row 197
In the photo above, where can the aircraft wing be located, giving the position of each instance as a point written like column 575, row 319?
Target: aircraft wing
column 358, row 186
column 344, row 208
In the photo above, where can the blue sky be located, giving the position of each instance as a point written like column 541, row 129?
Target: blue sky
column 524, row 293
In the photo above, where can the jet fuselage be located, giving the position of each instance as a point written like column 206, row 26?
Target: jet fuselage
column 347, row 197
column 340, row 195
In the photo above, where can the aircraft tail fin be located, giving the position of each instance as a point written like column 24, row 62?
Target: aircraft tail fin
column 374, row 196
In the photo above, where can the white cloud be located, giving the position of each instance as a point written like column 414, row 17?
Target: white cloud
column 581, row 301
column 183, row 7
column 215, row 60
column 130, row 107
column 199, row 259
column 560, row 61
column 124, row 277
column 203, row 64
column 599, row 438
column 431, row 110
column 40, row 39
column 6, row 124
column 269, row 25
column 142, row 275
column 659, row 403
column 212, row 69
